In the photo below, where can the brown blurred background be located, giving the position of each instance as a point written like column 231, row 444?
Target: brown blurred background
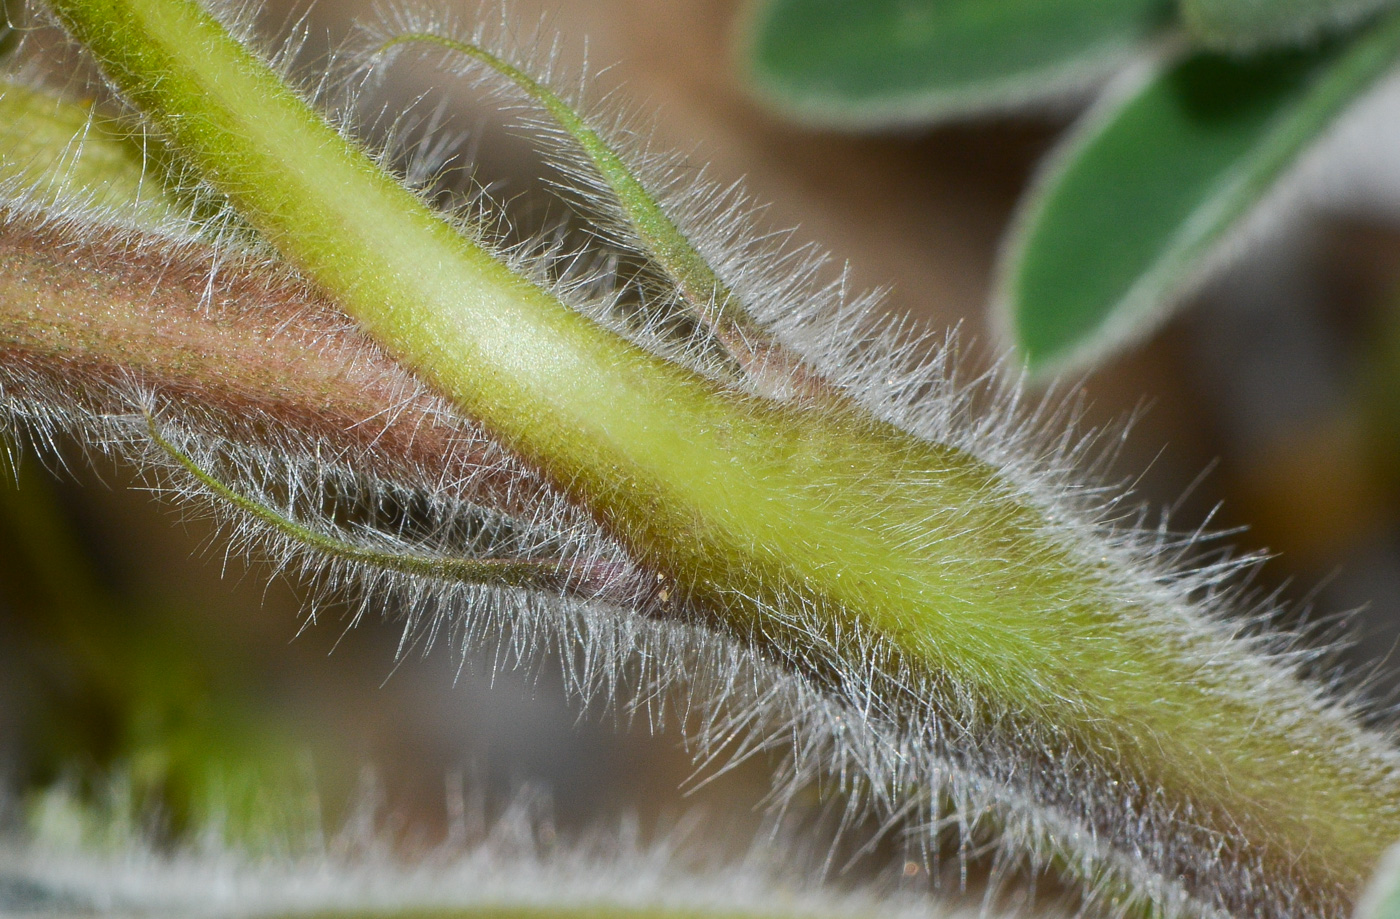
column 1281, row 382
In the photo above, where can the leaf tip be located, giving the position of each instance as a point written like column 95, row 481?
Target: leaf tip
column 1381, row 899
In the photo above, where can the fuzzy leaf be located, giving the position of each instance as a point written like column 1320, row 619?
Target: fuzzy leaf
column 501, row 869
column 1382, row 898
column 53, row 150
column 885, row 62
column 547, row 574
column 1249, row 24
column 1123, row 220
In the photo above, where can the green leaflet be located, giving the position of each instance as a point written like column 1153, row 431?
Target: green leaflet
column 1247, row 24
column 1116, row 228
column 54, row 152
column 885, row 62
column 1382, row 898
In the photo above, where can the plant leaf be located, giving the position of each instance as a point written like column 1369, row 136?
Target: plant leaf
column 54, row 152
column 886, row 62
column 1382, row 897
column 1249, row 24
column 545, row 574
column 1122, row 221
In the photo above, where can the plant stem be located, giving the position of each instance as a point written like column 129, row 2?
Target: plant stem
column 933, row 597
column 84, row 319
column 764, row 359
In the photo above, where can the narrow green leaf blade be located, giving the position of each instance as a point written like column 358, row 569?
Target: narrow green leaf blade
column 1248, row 24
column 1126, row 214
column 886, row 62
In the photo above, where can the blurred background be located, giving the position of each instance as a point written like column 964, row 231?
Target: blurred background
column 1271, row 407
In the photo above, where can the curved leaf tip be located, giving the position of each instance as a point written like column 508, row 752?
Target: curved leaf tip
column 1149, row 189
column 878, row 63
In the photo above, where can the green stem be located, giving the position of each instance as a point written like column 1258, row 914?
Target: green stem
column 763, row 358
column 911, row 581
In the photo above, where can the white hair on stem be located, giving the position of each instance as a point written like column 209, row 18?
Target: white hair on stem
column 733, row 705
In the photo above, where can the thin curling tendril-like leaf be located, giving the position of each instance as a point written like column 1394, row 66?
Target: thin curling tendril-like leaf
column 764, row 359
column 501, row 572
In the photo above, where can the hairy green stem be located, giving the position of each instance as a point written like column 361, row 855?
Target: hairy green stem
column 827, row 540
column 762, row 357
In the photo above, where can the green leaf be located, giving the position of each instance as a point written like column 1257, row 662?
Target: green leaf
column 1249, row 24
column 1127, row 213
column 886, row 62
column 1382, row 897
column 546, row 574
column 55, row 151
